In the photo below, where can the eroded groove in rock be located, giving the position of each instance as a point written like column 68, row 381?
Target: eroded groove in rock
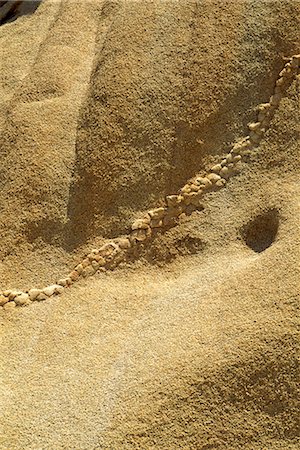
column 109, row 255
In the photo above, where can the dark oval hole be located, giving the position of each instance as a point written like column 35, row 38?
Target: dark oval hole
column 11, row 10
column 261, row 232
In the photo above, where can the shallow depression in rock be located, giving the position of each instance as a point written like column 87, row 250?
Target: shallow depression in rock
column 260, row 233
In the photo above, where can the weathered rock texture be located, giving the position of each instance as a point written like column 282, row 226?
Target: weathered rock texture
column 105, row 108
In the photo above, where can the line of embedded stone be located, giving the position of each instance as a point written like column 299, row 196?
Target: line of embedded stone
column 109, row 255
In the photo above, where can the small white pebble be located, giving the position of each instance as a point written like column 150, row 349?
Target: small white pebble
column 263, row 107
column 254, row 126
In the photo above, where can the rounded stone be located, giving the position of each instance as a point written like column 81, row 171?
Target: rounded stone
column 79, row 268
column 51, row 290
column 124, row 243
column 194, row 187
column 62, row 282
column 200, row 180
column 100, row 260
column 22, row 300
column 13, row 295
column 85, row 262
column 229, row 158
column 224, row 172
column 221, row 182
column 237, row 158
column 95, row 265
column 186, row 189
column 92, row 256
column 3, row 300
column 41, row 297
column 240, row 146
column 59, row 289
column 6, row 292
column 216, row 168
column 74, row 275
column 33, row 293
column 207, row 183
column 9, row 306
column 88, row 271
column 213, row 177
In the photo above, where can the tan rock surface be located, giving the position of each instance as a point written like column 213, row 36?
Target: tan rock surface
column 105, row 108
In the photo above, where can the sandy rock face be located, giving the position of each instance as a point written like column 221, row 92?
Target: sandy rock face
column 174, row 125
